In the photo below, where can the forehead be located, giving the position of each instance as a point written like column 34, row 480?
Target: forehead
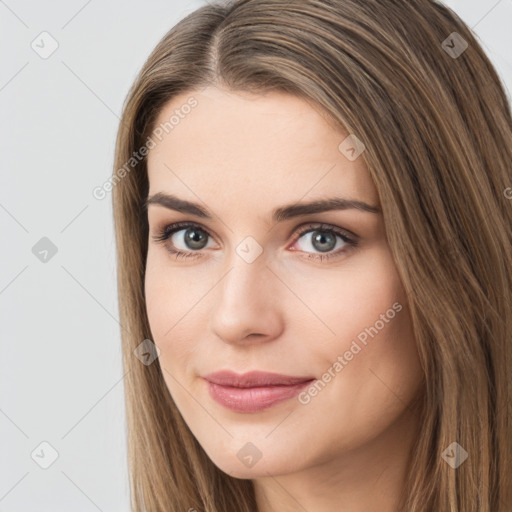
column 258, row 149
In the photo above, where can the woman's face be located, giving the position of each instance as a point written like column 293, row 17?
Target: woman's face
column 267, row 284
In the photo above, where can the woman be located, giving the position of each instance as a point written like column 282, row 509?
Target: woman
column 314, row 262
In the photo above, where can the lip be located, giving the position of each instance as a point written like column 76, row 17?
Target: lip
column 253, row 391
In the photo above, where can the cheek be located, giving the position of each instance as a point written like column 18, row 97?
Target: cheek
column 170, row 297
column 341, row 304
column 370, row 364
column 159, row 295
column 170, row 291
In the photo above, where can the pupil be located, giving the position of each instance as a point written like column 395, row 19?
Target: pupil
column 194, row 238
column 320, row 238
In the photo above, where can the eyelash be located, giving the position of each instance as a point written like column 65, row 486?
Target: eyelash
column 167, row 231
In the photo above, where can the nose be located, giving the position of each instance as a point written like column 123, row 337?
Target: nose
column 246, row 304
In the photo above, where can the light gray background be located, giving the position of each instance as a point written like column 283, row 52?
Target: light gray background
column 60, row 363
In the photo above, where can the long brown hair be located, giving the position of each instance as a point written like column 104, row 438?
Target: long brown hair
column 410, row 80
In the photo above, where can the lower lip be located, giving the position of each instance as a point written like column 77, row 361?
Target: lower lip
column 253, row 399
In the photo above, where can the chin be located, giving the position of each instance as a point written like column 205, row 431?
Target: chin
column 247, row 461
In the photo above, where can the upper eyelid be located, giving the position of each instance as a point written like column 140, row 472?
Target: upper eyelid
column 310, row 226
column 297, row 232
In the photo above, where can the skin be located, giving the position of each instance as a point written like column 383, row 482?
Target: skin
column 240, row 156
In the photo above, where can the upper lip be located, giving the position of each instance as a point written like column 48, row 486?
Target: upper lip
column 253, row 379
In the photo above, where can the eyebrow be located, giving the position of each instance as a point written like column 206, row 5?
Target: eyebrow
column 278, row 215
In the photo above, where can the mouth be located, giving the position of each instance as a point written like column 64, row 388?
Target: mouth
column 254, row 391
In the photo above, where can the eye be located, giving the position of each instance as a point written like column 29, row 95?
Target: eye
column 186, row 238
column 324, row 239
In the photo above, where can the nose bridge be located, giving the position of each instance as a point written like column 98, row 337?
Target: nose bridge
column 245, row 301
